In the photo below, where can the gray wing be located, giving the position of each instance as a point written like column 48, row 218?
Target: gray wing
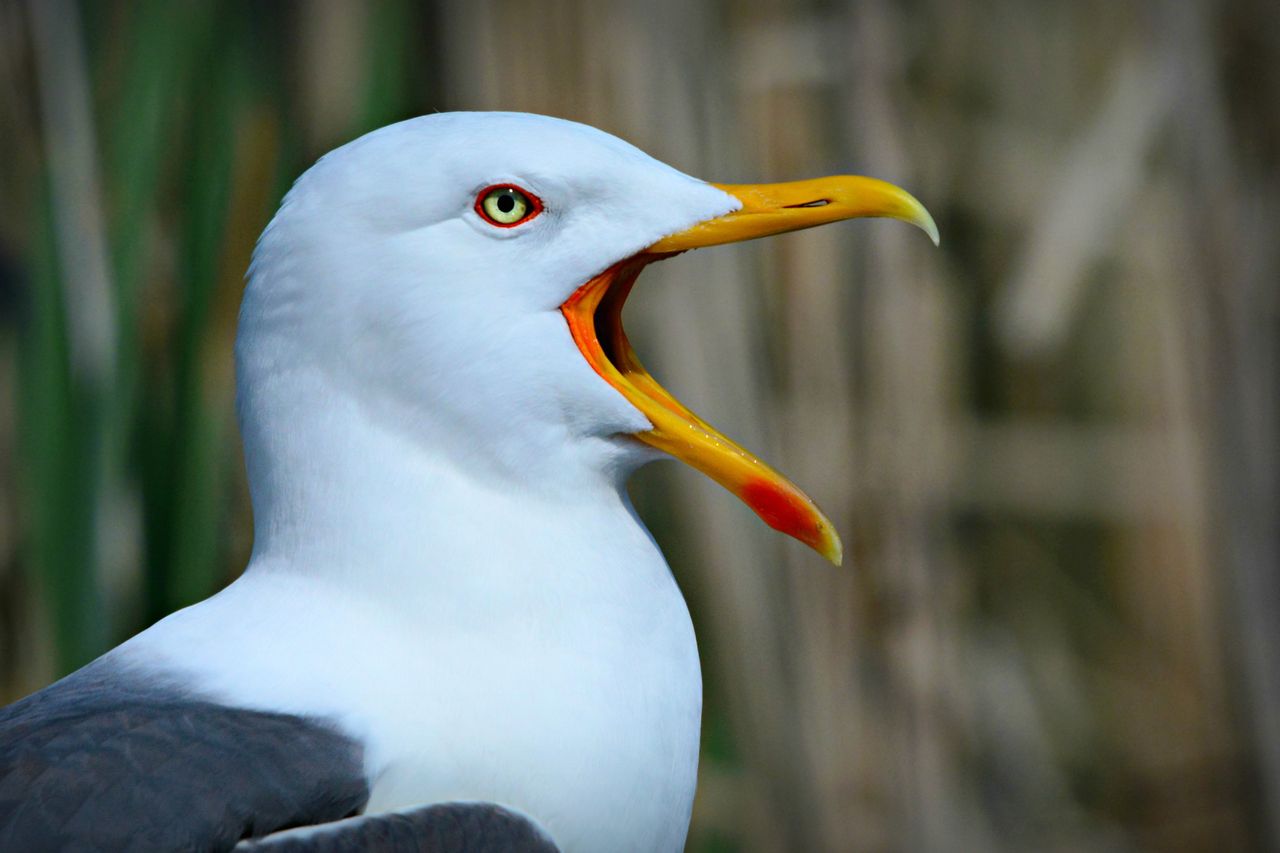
column 105, row 760
column 444, row 828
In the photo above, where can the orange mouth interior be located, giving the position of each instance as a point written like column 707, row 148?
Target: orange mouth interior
column 594, row 315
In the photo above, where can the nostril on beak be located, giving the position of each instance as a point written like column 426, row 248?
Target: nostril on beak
column 820, row 202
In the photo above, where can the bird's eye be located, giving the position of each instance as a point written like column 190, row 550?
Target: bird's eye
column 506, row 206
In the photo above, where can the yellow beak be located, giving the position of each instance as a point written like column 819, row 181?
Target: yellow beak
column 594, row 314
column 775, row 208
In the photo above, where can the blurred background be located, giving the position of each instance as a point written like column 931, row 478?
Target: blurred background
column 1051, row 445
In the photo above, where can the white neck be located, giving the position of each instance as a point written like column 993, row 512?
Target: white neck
column 344, row 490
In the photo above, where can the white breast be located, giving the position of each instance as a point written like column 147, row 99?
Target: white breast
column 558, row 675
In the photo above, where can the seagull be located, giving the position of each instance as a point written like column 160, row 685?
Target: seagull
column 453, row 632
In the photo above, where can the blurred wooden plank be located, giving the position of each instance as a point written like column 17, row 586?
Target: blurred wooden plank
column 333, row 36
column 1232, row 212
column 1112, row 474
column 1083, row 207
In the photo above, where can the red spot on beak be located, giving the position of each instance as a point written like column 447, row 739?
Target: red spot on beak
column 783, row 510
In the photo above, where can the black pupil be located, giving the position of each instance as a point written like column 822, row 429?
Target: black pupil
column 506, row 201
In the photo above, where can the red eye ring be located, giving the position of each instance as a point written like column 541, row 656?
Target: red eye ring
column 524, row 205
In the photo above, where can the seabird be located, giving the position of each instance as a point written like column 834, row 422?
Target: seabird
column 453, row 632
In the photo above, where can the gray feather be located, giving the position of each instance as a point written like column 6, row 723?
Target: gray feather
column 444, row 828
column 112, row 760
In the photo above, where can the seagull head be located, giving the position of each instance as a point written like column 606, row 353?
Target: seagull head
column 461, row 277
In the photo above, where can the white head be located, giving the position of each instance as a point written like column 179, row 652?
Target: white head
column 382, row 285
column 380, row 274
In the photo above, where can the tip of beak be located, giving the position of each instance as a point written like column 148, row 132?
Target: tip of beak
column 929, row 227
column 895, row 203
column 830, row 545
column 915, row 213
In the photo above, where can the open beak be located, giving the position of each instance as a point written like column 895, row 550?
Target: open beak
column 594, row 313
